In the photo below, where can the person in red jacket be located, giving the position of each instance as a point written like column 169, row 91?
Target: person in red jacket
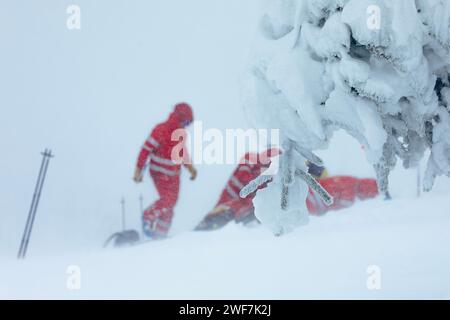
column 230, row 205
column 344, row 189
column 166, row 149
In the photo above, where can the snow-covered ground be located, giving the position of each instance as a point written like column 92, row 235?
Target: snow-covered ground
column 407, row 239
column 92, row 95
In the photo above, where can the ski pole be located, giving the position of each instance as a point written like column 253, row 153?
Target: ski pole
column 33, row 201
column 47, row 155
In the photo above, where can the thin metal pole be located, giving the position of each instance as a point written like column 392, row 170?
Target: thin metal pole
column 33, row 201
column 27, row 240
column 36, row 198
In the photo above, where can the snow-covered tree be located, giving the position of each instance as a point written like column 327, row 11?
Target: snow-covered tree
column 377, row 68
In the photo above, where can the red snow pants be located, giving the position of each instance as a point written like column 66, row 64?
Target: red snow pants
column 159, row 215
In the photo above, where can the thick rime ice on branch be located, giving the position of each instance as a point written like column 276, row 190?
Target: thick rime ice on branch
column 377, row 68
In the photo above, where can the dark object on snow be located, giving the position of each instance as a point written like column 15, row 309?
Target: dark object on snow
column 315, row 170
column 124, row 238
column 47, row 155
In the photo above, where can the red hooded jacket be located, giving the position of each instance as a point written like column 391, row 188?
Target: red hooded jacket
column 166, row 144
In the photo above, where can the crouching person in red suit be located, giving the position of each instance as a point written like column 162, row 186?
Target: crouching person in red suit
column 165, row 152
column 230, row 205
